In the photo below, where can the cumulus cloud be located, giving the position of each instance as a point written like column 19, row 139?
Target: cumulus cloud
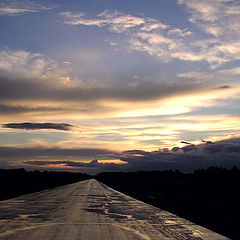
column 38, row 126
column 16, row 8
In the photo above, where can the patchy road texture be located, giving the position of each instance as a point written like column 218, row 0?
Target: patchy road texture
column 90, row 210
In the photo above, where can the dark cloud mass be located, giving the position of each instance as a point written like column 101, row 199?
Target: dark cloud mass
column 15, row 89
column 29, row 96
column 38, row 126
column 224, row 153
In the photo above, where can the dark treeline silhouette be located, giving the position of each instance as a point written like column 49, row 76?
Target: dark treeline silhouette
column 207, row 197
column 16, row 182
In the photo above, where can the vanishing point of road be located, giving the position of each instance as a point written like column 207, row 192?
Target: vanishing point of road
column 90, row 210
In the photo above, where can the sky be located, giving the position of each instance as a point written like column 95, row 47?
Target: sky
column 98, row 85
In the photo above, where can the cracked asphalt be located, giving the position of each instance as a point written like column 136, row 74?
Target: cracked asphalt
column 90, row 210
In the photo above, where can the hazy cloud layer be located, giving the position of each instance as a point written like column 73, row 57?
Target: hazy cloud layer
column 38, row 126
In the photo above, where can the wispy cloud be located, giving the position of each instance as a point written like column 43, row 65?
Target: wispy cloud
column 16, row 8
column 114, row 20
column 218, row 18
column 218, row 44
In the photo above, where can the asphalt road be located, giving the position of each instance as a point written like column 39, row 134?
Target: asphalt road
column 90, row 210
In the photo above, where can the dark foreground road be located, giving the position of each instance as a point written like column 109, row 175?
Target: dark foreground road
column 90, row 210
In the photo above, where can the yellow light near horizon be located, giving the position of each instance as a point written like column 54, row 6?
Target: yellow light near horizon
column 115, row 161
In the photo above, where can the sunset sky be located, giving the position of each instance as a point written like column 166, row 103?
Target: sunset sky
column 121, row 83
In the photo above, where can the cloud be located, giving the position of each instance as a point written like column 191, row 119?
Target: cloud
column 13, row 88
column 20, row 64
column 41, row 98
column 47, row 99
column 223, row 153
column 16, row 8
column 220, row 20
column 114, row 20
column 92, row 167
column 24, row 64
column 224, row 87
column 38, row 126
column 215, row 17
column 52, row 153
column 231, row 71
column 217, row 44
column 79, row 159
column 185, row 142
column 146, row 34
column 65, row 163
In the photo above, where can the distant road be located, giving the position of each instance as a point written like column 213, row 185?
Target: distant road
column 90, row 210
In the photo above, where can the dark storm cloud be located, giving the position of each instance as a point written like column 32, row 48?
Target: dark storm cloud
column 21, row 89
column 37, row 126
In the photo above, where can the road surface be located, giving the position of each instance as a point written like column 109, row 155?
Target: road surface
column 90, row 210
